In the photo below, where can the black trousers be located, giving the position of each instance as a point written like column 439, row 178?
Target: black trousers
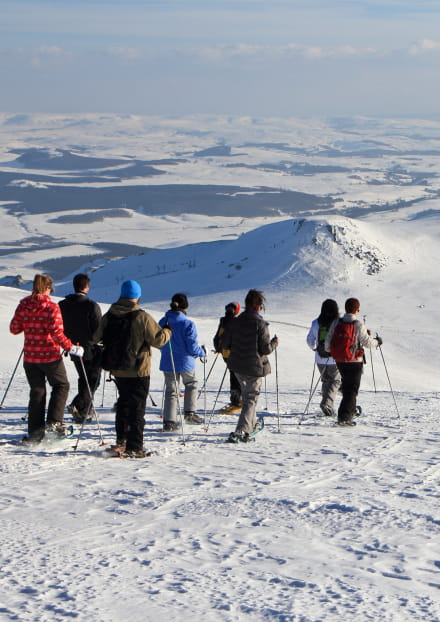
column 351, row 374
column 235, row 389
column 81, row 401
column 37, row 374
column 130, row 411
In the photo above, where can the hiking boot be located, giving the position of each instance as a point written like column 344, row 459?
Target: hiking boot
column 191, row 417
column 170, row 426
column 346, row 422
column 118, row 448
column 136, row 453
column 56, row 427
column 31, row 440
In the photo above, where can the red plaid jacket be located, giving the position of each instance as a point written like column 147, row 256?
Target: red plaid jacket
column 42, row 323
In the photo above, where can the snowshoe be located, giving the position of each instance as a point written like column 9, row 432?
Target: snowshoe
column 230, row 409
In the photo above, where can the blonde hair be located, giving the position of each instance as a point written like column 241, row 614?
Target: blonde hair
column 41, row 283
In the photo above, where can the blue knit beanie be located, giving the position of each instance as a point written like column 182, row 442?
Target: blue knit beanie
column 131, row 289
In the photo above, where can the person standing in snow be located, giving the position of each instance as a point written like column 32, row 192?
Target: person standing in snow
column 246, row 344
column 330, row 377
column 178, row 362
column 39, row 318
column 132, row 372
column 81, row 317
column 346, row 339
column 232, row 309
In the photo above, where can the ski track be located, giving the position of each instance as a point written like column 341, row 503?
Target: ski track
column 308, row 523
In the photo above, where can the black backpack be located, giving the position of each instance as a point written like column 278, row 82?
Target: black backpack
column 322, row 334
column 116, row 338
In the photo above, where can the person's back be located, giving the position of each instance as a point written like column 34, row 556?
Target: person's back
column 246, row 345
column 178, row 362
column 133, row 382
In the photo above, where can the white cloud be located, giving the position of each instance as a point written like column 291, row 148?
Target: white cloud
column 125, row 53
column 424, row 46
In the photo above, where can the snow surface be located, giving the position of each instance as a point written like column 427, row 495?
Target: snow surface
column 309, row 523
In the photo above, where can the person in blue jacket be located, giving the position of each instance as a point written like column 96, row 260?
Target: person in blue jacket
column 178, row 362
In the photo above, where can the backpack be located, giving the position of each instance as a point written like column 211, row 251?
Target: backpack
column 320, row 348
column 343, row 346
column 116, row 338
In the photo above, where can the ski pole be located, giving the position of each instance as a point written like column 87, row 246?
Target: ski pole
column 312, row 392
column 276, row 383
column 207, row 377
column 90, row 406
column 11, row 378
column 265, row 391
column 372, row 371
column 311, row 383
column 216, row 398
column 204, row 390
column 177, row 392
column 103, row 390
column 371, row 361
column 389, row 382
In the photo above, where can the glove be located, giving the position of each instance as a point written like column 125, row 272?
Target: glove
column 76, row 351
column 379, row 340
column 203, row 359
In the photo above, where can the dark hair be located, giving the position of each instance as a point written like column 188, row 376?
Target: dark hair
column 254, row 298
column 41, row 283
column 329, row 312
column 80, row 282
column 179, row 302
column 352, row 305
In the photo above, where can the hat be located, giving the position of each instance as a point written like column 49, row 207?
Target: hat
column 233, row 307
column 179, row 301
column 131, row 289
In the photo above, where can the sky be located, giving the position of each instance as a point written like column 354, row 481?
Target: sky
column 242, row 57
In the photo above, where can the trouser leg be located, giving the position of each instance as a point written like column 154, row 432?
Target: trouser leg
column 133, row 393
column 235, row 389
column 351, row 374
column 81, row 401
column 171, row 396
column 57, row 378
column 250, row 390
column 331, row 381
column 190, row 397
column 37, row 400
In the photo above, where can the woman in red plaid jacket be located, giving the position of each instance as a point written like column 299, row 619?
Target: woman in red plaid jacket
column 41, row 321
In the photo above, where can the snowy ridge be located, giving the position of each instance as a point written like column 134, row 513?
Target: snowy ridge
column 290, row 254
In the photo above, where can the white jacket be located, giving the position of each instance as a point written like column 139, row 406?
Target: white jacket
column 312, row 342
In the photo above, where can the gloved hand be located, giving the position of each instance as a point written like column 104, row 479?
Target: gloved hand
column 76, row 351
column 379, row 340
column 203, row 359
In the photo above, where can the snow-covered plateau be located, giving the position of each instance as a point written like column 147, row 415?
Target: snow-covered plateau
column 311, row 522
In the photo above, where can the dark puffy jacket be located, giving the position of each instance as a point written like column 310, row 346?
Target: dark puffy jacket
column 81, row 317
column 246, row 343
column 224, row 321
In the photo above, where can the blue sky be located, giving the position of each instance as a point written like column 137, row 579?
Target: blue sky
column 278, row 58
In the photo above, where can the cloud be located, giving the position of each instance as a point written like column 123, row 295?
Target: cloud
column 425, row 46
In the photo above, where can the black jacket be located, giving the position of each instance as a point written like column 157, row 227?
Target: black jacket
column 246, row 343
column 81, row 317
column 224, row 322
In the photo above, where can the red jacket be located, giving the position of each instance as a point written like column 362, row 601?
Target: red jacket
column 42, row 323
